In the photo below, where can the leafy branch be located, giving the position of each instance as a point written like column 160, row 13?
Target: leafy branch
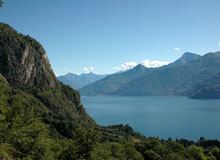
column 1, row 3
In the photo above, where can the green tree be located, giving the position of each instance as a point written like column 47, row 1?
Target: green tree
column 196, row 152
column 1, row 3
column 151, row 155
column 81, row 145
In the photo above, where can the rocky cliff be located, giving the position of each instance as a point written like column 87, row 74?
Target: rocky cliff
column 25, row 67
column 23, row 61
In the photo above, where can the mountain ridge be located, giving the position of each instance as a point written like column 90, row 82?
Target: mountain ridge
column 79, row 81
column 174, row 80
column 112, row 82
column 105, row 86
column 186, row 57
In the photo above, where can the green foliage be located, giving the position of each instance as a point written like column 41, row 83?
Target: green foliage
column 81, row 144
column 196, row 152
column 119, row 133
column 29, row 130
column 151, row 155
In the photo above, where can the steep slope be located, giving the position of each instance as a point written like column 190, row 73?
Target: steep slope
column 24, row 62
column 176, row 80
column 186, row 57
column 79, row 81
column 207, row 89
column 25, row 66
column 113, row 82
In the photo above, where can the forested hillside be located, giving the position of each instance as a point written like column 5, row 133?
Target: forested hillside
column 207, row 89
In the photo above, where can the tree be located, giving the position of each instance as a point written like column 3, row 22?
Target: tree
column 81, row 145
column 1, row 3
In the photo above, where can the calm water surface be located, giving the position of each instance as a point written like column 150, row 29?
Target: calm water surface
column 163, row 117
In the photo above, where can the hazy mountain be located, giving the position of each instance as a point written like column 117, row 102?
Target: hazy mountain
column 173, row 80
column 186, row 57
column 115, row 81
column 176, row 78
column 207, row 89
column 79, row 81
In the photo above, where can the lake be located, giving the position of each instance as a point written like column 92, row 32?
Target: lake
column 163, row 117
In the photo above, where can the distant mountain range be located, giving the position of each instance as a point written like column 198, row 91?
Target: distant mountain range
column 114, row 82
column 79, row 81
column 178, row 78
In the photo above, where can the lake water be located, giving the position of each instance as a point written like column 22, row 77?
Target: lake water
column 163, row 117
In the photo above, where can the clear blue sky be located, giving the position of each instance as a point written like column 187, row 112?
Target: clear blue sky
column 106, row 33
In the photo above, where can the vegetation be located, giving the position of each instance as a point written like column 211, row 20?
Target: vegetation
column 25, row 135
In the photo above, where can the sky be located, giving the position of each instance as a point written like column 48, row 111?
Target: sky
column 105, row 36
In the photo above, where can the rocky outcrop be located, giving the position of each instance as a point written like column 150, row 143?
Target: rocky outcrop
column 25, row 67
column 23, row 61
column 2, row 79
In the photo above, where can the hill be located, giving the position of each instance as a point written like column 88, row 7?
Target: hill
column 79, row 81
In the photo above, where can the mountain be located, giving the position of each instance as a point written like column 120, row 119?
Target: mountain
column 25, row 66
column 207, row 89
column 173, row 80
column 186, row 57
column 79, row 81
column 177, row 78
column 24, row 61
column 115, row 81
column 114, row 84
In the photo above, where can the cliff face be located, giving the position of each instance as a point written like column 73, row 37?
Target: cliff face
column 24, row 66
column 23, row 61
